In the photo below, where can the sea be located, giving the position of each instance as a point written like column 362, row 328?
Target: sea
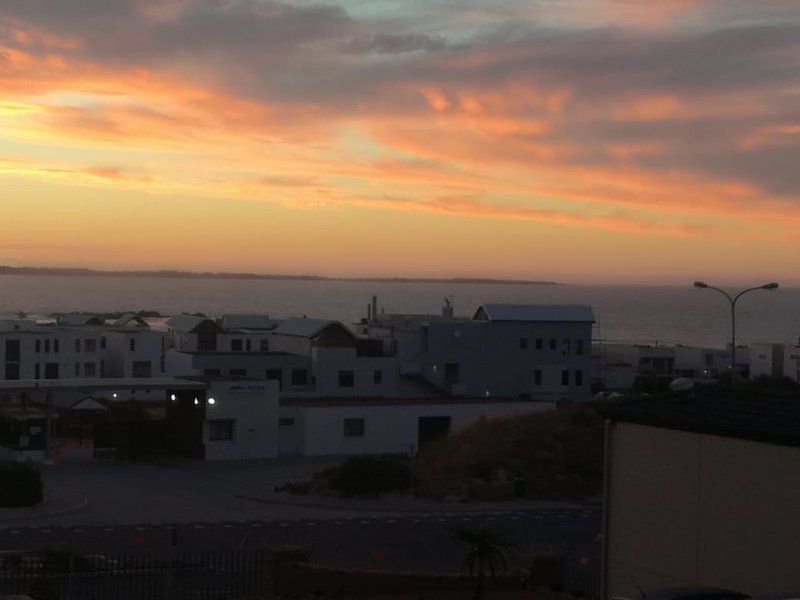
column 640, row 314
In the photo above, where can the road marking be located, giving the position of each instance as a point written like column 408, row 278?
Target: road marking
column 391, row 521
column 416, row 520
column 229, row 526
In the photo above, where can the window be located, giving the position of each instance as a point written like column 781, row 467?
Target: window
column 36, row 371
column 77, row 369
column 299, row 377
column 565, row 377
column 579, row 347
column 90, row 345
column 248, row 345
column 276, row 375
column 77, row 346
column 537, row 377
column 354, row 428
column 102, row 343
column 709, row 359
column 525, row 396
column 12, row 371
column 286, row 422
column 264, row 345
column 51, row 371
column 132, row 344
column 142, row 368
column 220, row 430
column 89, row 369
column 579, row 378
column 238, row 372
column 539, row 343
column 552, row 344
column 211, row 372
column 565, row 347
column 523, row 343
column 236, row 345
column 38, row 345
column 55, row 346
column 47, row 345
column 452, row 373
column 377, row 377
column 347, row 379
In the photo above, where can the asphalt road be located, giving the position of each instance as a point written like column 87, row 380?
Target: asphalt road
column 412, row 542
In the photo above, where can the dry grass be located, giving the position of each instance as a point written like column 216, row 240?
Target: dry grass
column 559, row 454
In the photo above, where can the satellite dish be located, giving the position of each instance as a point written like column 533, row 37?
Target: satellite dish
column 682, row 384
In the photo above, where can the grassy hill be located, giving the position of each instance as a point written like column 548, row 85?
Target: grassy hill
column 550, row 456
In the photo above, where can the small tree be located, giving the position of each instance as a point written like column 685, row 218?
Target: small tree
column 487, row 549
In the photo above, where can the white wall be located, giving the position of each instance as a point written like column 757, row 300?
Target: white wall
column 392, row 428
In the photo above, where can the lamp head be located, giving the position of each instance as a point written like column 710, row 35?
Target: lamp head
column 700, row 284
column 770, row 286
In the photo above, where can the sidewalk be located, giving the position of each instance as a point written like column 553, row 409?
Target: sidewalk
column 53, row 504
column 398, row 504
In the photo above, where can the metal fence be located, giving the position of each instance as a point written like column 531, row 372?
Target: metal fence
column 221, row 575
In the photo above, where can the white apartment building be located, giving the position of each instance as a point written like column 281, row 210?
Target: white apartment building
column 775, row 360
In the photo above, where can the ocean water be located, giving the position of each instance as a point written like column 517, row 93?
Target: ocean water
column 666, row 315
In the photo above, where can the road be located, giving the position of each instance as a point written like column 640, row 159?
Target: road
column 401, row 542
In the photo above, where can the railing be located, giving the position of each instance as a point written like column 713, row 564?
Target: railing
column 220, row 575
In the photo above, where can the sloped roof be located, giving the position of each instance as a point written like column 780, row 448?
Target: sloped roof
column 248, row 322
column 188, row 323
column 306, row 327
column 130, row 319
column 78, row 319
column 536, row 312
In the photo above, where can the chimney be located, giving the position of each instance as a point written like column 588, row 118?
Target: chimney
column 374, row 307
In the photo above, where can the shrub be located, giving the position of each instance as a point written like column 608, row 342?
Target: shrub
column 371, row 475
column 20, row 484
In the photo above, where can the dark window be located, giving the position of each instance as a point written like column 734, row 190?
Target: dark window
column 132, row 344
column 211, row 372
column 537, row 377
column 51, row 370
column 276, row 375
column 89, row 369
column 47, row 345
column 220, row 430
column 90, row 345
column 523, row 343
column 578, row 378
column 354, row 427
column 36, row 370
column 524, row 396
column 299, row 377
column 102, row 343
column 539, row 343
column 38, row 345
column 579, row 347
column 709, row 359
column 347, row 379
column 142, row 368
column 286, row 422
column 248, row 345
column 77, row 346
column 264, row 345
column 377, row 377
column 12, row 350
column 236, row 345
column 553, row 343
column 452, row 373
column 77, row 369
column 55, row 346
column 564, row 377
column 12, row 371
column 238, row 372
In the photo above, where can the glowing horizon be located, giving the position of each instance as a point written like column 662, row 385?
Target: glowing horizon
column 580, row 140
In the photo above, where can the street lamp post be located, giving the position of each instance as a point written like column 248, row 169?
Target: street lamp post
column 733, row 300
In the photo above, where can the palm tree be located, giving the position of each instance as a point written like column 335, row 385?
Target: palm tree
column 486, row 552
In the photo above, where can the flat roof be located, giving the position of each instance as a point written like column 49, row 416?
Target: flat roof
column 332, row 401
column 771, row 418
column 101, row 383
column 536, row 312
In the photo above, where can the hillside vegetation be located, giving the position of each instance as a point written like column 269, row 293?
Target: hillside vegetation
column 555, row 455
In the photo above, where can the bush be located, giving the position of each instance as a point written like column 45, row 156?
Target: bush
column 371, row 475
column 20, row 484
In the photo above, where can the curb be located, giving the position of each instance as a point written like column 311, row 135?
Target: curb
column 445, row 509
column 48, row 513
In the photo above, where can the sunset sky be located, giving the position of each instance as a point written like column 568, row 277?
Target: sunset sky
column 575, row 140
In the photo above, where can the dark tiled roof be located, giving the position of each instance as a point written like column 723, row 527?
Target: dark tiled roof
column 763, row 417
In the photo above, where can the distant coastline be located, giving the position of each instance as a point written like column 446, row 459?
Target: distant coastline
column 171, row 274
